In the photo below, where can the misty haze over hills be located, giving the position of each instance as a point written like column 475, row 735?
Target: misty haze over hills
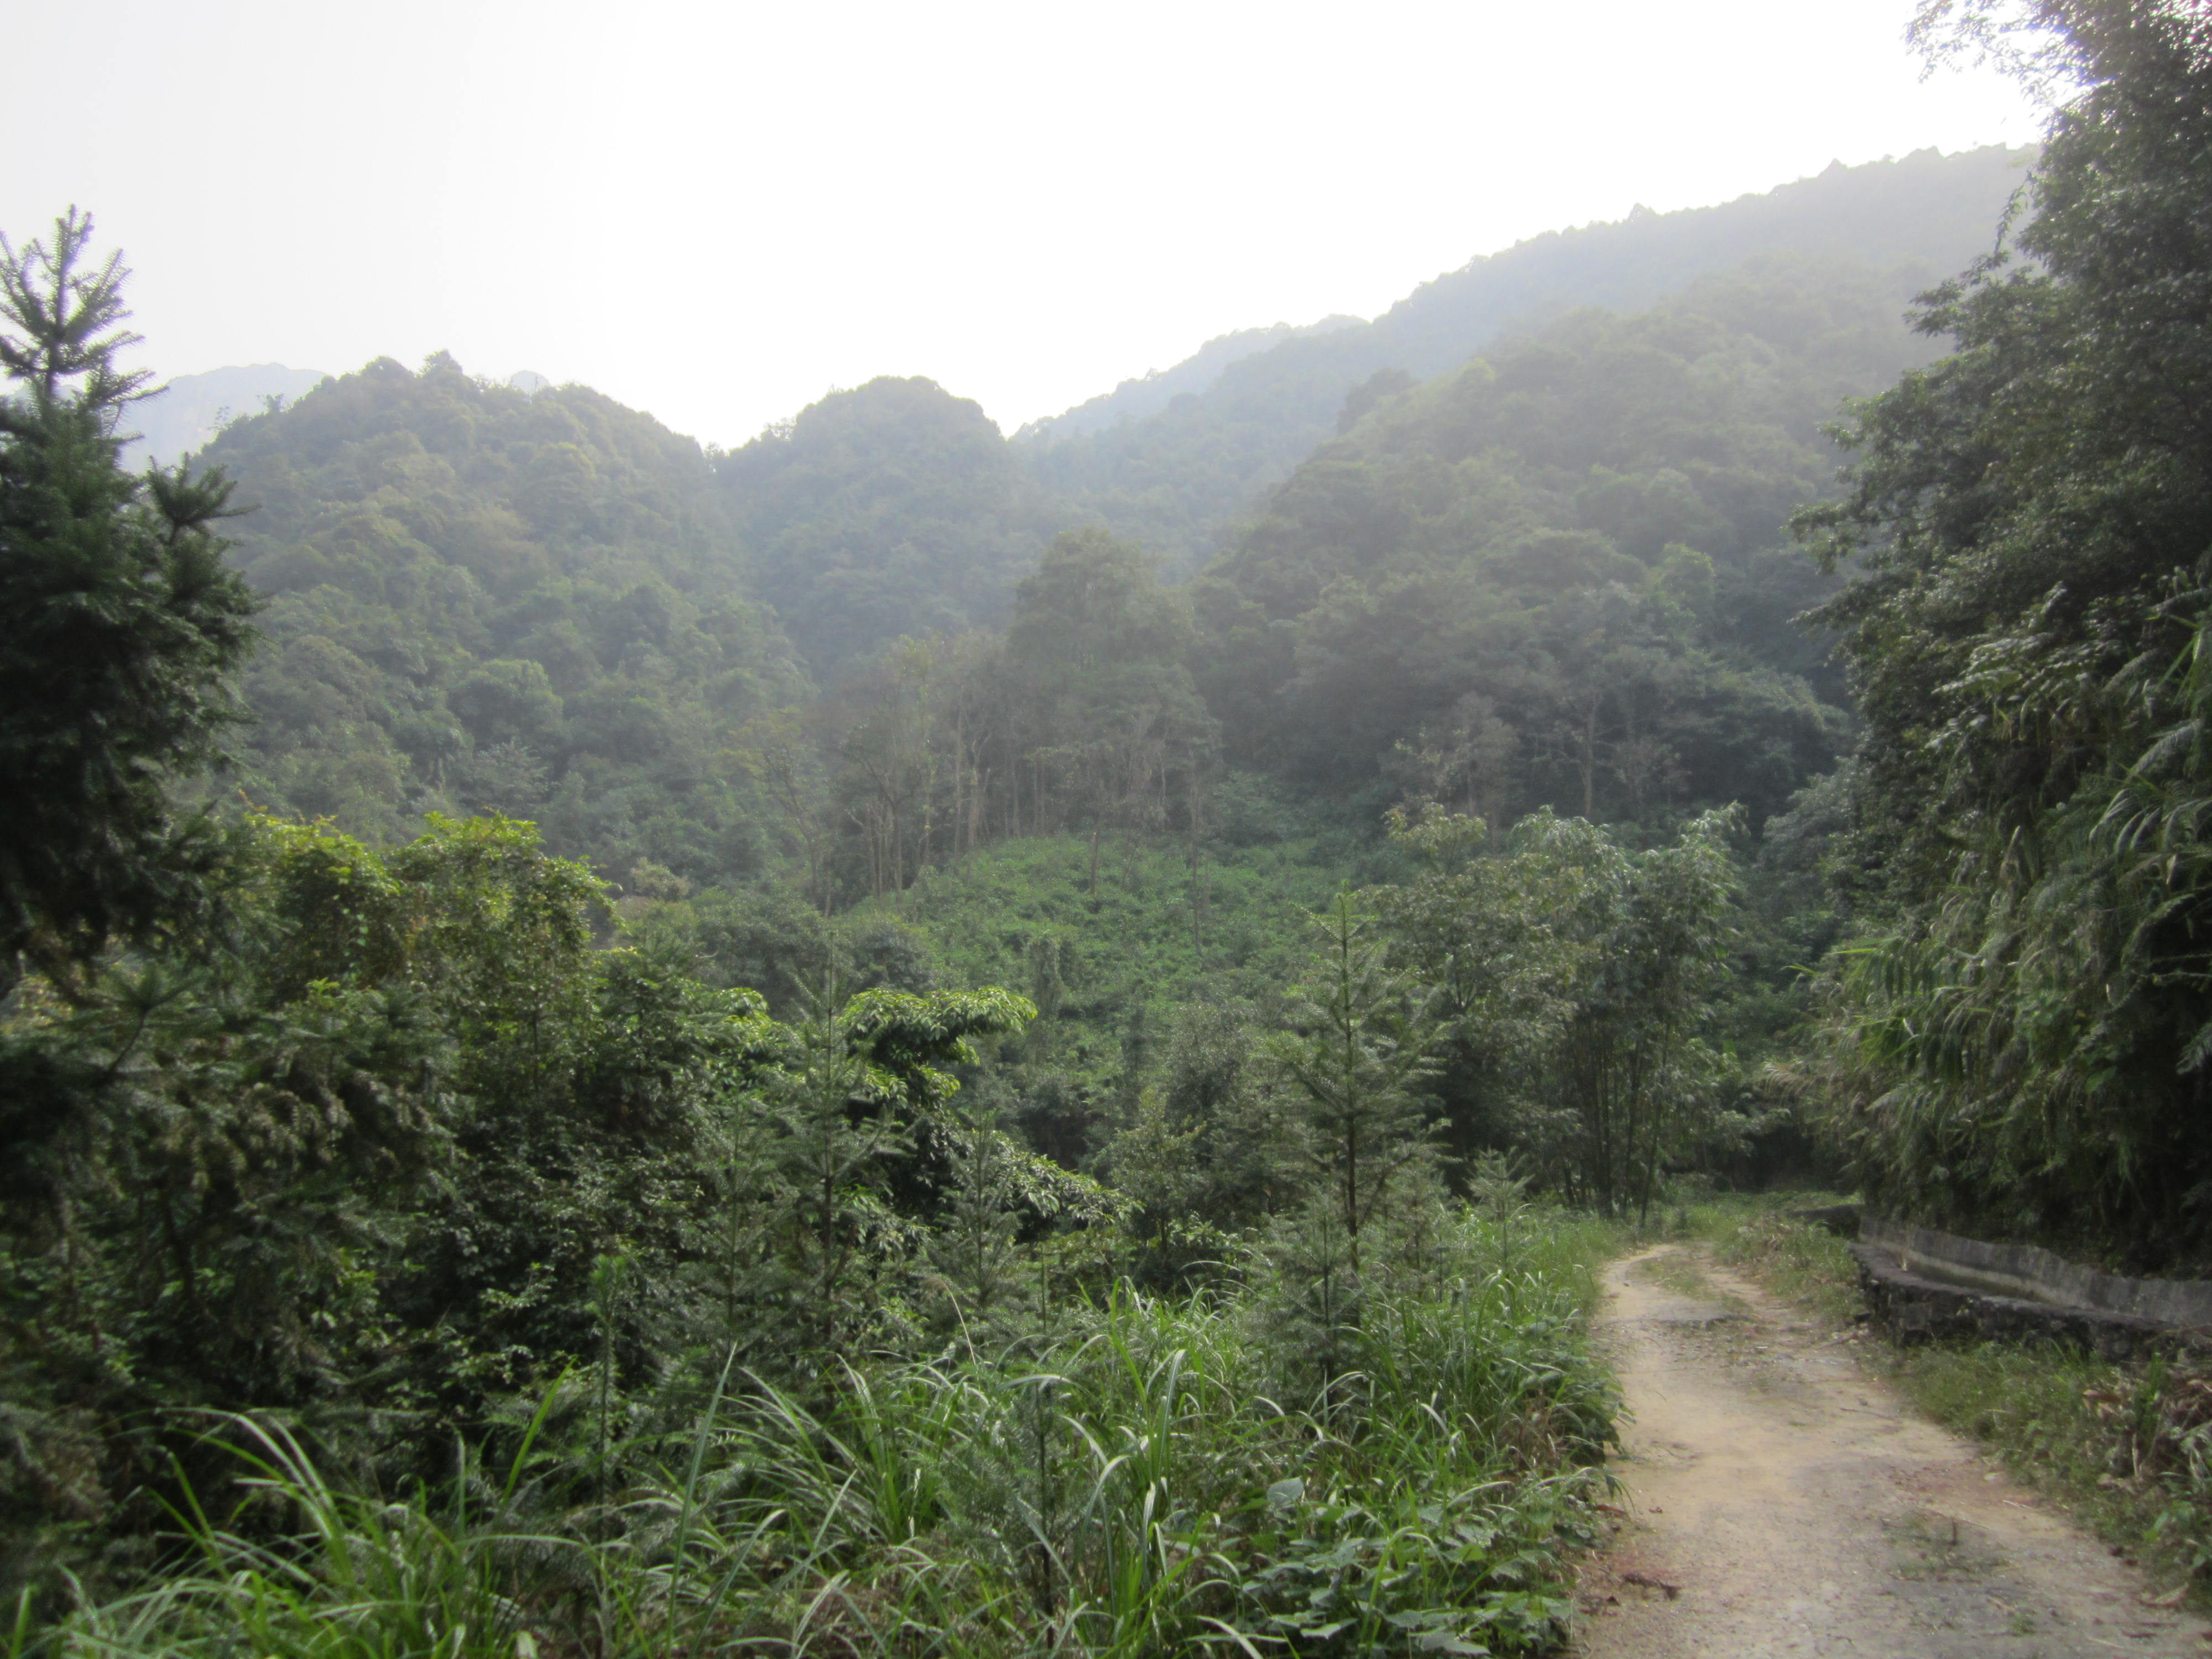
column 1176, row 472
column 1929, row 213
column 185, row 413
column 898, row 507
column 509, row 595
column 1927, row 208
column 1150, row 393
column 189, row 409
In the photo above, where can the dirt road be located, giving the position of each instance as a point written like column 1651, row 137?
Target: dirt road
column 1782, row 1499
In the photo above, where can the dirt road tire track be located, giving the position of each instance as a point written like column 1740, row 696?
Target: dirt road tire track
column 1782, row 1499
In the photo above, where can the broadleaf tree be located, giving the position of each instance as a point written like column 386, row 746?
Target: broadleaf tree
column 2019, row 1042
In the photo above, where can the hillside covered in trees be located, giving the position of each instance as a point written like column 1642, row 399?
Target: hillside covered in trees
column 867, row 684
column 545, row 605
column 900, row 1040
column 1179, row 471
column 480, row 600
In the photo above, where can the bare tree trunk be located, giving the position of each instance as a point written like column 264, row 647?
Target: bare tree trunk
column 1589, row 762
column 1197, row 878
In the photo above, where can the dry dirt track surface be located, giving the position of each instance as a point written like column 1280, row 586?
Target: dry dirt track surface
column 1795, row 1506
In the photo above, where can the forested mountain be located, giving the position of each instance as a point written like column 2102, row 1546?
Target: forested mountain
column 481, row 599
column 1562, row 574
column 340, row 1177
column 1175, row 478
column 895, row 508
column 1150, row 393
column 1556, row 576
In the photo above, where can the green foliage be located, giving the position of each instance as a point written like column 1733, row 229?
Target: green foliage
column 1490, row 932
column 122, row 627
column 639, row 1123
column 500, row 938
column 1549, row 576
column 482, row 600
column 1177, row 458
column 859, row 1093
column 1555, row 576
column 1114, row 723
column 232, row 1174
column 427, row 1154
column 1084, row 718
column 1588, row 970
column 2018, row 1037
column 892, row 510
column 1153, row 929
column 1141, row 1482
column 1355, row 1059
column 1217, row 1149
column 231, row 1171
column 983, row 1277
column 1633, row 1070
column 1556, row 585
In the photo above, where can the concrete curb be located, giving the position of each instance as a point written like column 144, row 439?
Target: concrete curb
column 2037, row 1275
column 1911, row 1309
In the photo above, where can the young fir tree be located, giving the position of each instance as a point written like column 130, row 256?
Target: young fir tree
column 1357, row 1057
column 832, row 1133
column 123, row 625
column 981, row 1272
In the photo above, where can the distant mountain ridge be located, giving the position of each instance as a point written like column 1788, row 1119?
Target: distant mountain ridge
column 1177, row 475
column 185, row 414
column 188, row 411
column 898, row 508
column 1926, row 208
column 1147, row 394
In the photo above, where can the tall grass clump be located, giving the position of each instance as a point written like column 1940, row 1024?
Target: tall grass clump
column 1151, row 1476
column 1805, row 1263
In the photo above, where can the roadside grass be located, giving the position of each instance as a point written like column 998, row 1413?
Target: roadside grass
column 2126, row 1449
column 1157, row 1477
column 1804, row 1264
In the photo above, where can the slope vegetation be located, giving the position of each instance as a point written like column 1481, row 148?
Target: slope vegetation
column 482, row 600
column 1176, row 478
column 1560, row 576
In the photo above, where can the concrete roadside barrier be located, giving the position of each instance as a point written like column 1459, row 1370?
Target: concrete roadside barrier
column 1921, row 1284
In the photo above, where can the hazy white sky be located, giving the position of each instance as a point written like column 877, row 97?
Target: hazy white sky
column 716, row 212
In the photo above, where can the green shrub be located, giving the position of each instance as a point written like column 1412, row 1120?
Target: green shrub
column 1149, row 1479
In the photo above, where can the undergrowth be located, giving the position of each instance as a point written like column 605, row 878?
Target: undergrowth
column 2128, row 1448
column 1162, row 1476
column 1809, row 1265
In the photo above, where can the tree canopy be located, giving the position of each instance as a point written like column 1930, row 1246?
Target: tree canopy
column 2024, row 1039
column 1562, row 574
column 821, row 1006
column 123, row 624
column 1180, row 458
column 485, row 600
